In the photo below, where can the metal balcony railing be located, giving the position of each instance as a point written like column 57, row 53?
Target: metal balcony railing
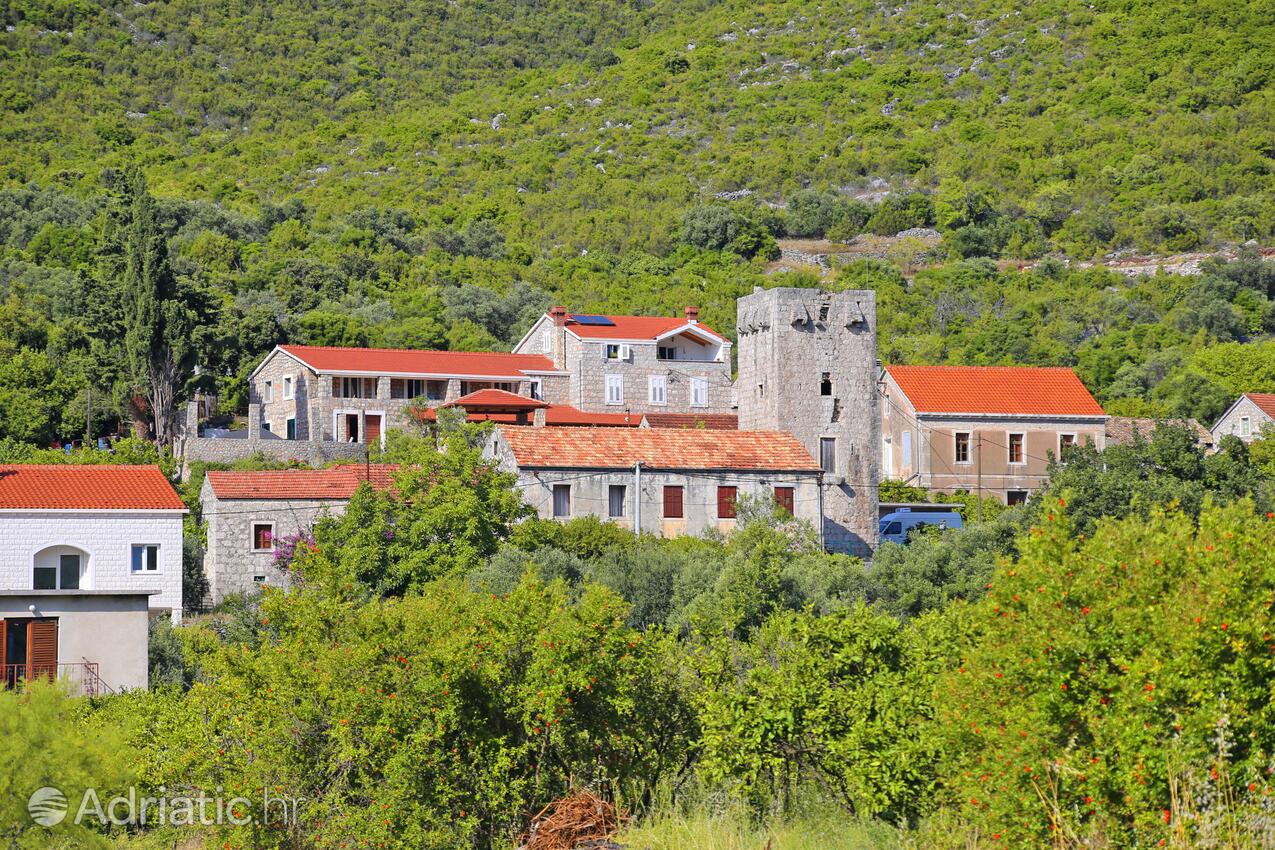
column 80, row 677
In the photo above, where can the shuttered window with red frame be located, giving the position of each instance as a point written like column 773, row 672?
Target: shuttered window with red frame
column 784, row 498
column 726, row 502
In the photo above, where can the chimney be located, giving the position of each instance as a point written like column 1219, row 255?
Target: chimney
column 538, row 417
column 692, row 315
column 559, row 316
column 254, row 423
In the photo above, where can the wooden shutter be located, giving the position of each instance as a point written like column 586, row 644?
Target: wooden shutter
column 371, row 429
column 726, row 502
column 672, row 502
column 784, row 497
column 42, row 649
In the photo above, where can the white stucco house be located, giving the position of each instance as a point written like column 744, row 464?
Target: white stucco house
column 87, row 555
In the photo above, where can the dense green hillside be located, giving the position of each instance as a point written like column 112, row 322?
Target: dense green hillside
column 435, row 173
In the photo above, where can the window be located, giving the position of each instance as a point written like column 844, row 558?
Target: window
column 266, row 427
column 1015, row 497
column 1016, row 454
column 615, row 389
column 1245, row 427
column 289, row 388
column 615, row 351
column 784, row 498
column 262, row 536
column 546, row 341
column 411, row 387
column 562, row 500
column 726, row 497
column 354, row 387
column 435, row 390
column 699, row 392
column 962, row 447
column 666, row 352
column 267, row 391
column 673, row 502
column 1065, row 443
column 145, row 558
column 828, row 454
column 65, row 576
column 761, row 390
column 615, row 500
column 537, row 390
column 291, row 428
column 895, row 527
column 258, row 579
column 825, row 384
column 657, row 389
column 906, row 448
column 823, row 312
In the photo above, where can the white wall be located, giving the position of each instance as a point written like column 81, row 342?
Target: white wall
column 108, row 630
column 107, row 539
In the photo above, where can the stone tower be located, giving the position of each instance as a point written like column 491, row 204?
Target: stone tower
column 807, row 365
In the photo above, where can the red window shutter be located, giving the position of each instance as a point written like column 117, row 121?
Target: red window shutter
column 726, row 502
column 672, row 502
column 42, row 649
column 784, row 497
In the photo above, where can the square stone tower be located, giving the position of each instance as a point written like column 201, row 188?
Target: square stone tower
column 807, row 365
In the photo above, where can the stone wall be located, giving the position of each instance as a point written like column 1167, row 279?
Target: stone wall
column 1231, row 422
column 789, row 339
column 589, row 370
column 230, row 449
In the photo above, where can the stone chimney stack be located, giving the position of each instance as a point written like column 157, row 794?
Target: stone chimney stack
column 254, row 422
column 538, row 417
column 192, row 419
column 559, row 316
column 692, row 315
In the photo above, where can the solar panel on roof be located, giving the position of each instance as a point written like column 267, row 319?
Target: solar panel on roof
column 601, row 321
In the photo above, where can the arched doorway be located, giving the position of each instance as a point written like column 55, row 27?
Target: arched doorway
column 61, row 568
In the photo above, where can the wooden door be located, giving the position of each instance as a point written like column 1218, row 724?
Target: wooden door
column 371, row 429
column 42, row 649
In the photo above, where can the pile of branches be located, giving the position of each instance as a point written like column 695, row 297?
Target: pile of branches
column 578, row 819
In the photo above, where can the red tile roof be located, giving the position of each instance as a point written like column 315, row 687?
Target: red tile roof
column 657, row 448
column 338, row 482
column 1265, row 402
column 499, row 399
column 387, row 361
column 709, row 421
column 998, row 390
column 76, row 487
column 555, row 414
column 635, row 327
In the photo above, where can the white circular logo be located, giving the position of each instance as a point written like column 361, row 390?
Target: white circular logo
column 47, row 806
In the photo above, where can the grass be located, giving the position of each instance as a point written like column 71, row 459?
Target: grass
column 732, row 829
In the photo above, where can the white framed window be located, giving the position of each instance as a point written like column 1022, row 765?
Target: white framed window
column 266, row 427
column 613, row 351
column 537, row 389
column 615, row 389
column 961, row 447
column 666, row 352
column 1017, row 449
column 1246, row 427
column 262, row 537
column 617, row 495
column 657, row 389
column 145, row 558
column 290, row 428
column 546, row 341
column 562, row 500
column 906, row 449
column 267, row 391
column 699, row 392
column 289, row 388
column 1065, row 442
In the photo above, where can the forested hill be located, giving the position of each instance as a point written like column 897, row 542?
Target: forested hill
column 594, row 125
column 431, row 173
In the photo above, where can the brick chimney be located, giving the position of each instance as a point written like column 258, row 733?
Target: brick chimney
column 692, row 314
column 559, row 316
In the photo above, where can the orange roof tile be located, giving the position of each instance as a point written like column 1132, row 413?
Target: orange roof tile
column 635, row 327
column 338, row 482
column 81, row 487
column 399, row 361
column 1265, row 402
column 710, row 421
column 657, row 448
column 555, row 414
column 500, row 399
column 996, row 390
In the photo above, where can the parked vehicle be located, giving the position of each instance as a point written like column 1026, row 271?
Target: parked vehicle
column 898, row 526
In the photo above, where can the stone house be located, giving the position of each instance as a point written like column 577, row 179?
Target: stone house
column 1246, row 418
column 87, row 555
column 1121, row 430
column 984, row 429
column 663, row 481
column 807, row 366
column 247, row 512
column 635, row 364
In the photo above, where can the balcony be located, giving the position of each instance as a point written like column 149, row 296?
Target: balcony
column 79, row 677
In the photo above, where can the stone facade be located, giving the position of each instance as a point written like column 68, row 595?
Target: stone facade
column 104, row 541
column 921, row 449
column 590, row 494
column 230, row 561
column 807, row 365
column 1246, row 420
column 585, row 360
column 254, row 441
